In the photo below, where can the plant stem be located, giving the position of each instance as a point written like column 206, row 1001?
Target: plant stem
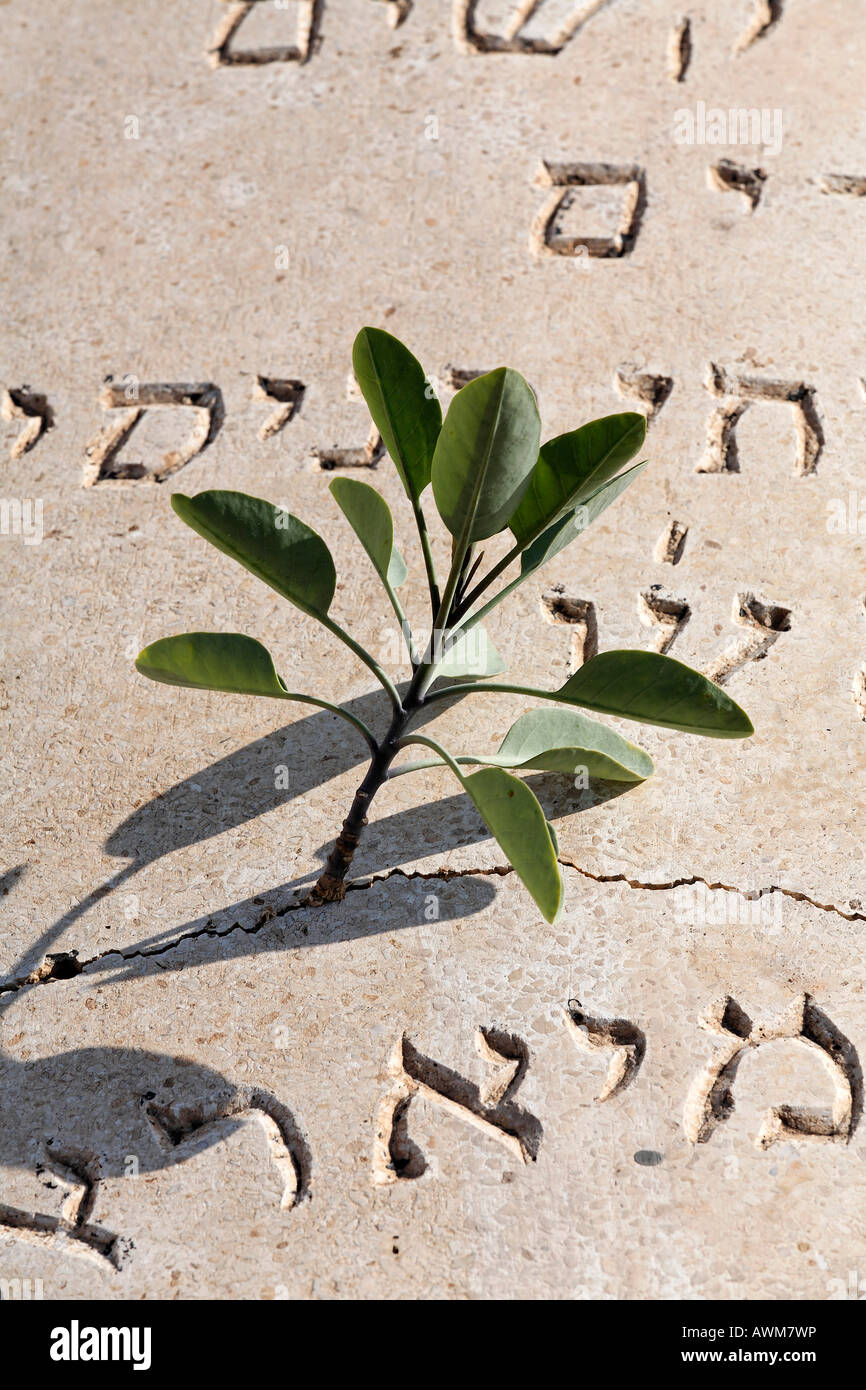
column 427, row 551
column 474, row 595
column 331, row 884
column 425, row 763
column 364, row 656
column 405, row 629
column 470, row 686
column 343, row 713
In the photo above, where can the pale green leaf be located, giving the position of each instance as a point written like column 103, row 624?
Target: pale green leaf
column 473, row 654
column 514, row 818
column 567, row 528
column 213, row 661
column 559, row 740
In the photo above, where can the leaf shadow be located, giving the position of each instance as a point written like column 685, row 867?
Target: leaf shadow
column 223, row 796
column 223, row 936
column 405, row 836
column 240, row 787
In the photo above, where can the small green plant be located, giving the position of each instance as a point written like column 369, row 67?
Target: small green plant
column 488, row 477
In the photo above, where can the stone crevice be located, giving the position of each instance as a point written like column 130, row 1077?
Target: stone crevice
column 64, row 966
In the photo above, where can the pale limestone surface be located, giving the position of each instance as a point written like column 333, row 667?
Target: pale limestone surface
column 261, row 216
column 309, row 1008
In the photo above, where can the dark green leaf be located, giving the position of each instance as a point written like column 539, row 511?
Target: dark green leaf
column 213, row 661
column 655, row 689
column 271, row 543
column 403, row 406
column 485, row 454
column 574, row 523
column 370, row 518
column 572, row 467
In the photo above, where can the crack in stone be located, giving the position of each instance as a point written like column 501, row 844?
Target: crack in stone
column 692, row 879
column 49, row 973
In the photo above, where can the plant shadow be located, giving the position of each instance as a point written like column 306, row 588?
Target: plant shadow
column 240, row 787
column 400, row 838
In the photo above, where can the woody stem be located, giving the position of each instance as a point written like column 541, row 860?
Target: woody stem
column 331, row 885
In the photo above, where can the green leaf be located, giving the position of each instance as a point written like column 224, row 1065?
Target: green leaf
column 655, row 689
column 213, row 661
column 370, row 518
column 573, row 466
column 271, row 543
column 567, row 528
column 559, row 740
column 516, row 821
column 485, row 454
column 403, row 406
column 228, row 661
column 473, row 654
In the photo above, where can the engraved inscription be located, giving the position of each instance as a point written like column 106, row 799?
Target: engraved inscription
column 564, row 609
column 766, row 16
column 20, row 403
column 680, row 50
column 721, row 453
column 131, row 401
column 622, row 1038
column 488, row 1108
column 765, row 621
column 651, row 390
column 728, row 177
column 670, row 544
column 711, row 1099
column 848, row 185
column 223, row 53
column 660, row 609
column 546, row 240
column 514, row 37
column 285, row 394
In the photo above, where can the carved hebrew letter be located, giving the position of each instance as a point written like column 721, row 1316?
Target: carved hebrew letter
column 285, row 395
column 20, row 403
column 458, row 377
column 367, row 456
column 669, row 546
column 488, row 1108
column 668, row 614
column 849, row 185
column 222, row 54
column 767, row 15
column 545, row 240
column 72, row 1230
column 721, row 454
column 728, row 177
column 172, row 1125
column 398, row 11
column 680, row 50
column 131, row 401
column 626, row 1041
column 579, row 614
column 711, row 1098
column 471, row 40
column 651, row 390
column 766, row 622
